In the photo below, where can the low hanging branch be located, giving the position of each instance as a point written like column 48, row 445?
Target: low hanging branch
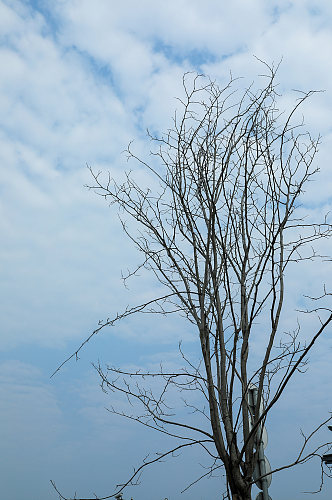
column 219, row 234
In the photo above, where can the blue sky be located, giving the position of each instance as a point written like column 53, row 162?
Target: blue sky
column 79, row 79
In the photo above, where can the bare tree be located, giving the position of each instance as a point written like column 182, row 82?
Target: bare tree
column 219, row 234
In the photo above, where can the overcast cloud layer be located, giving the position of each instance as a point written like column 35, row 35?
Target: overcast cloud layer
column 78, row 81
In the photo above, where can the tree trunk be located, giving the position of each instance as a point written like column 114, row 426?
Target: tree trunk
column 239, row 489
column 240, row 496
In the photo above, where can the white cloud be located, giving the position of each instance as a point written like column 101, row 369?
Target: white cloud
column 61, row 109
column 78, row 81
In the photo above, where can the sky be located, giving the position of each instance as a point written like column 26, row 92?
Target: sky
column 79, row 80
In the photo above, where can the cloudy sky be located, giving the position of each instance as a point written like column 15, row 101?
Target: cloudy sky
column 80, row 79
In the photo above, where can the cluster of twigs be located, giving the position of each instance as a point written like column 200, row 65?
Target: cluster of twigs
column 219, row 235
